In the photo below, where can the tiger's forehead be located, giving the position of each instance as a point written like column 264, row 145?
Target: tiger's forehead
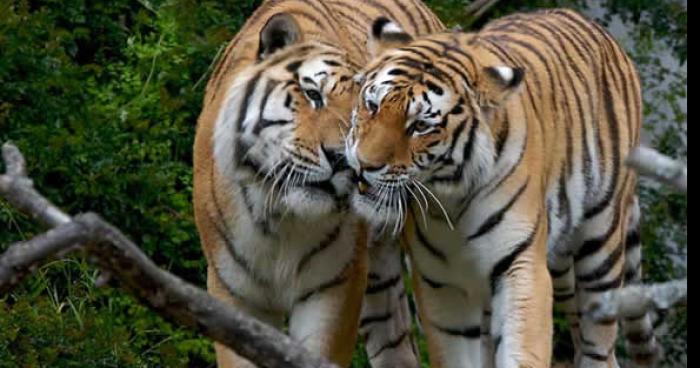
column 394, row 82
column 307, row 55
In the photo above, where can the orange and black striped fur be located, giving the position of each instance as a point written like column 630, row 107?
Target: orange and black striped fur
column 271, row 185
column 490, row 149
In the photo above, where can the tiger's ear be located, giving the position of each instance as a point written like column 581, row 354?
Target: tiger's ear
column 386, row 35
column 279, row 32
column 498, row 83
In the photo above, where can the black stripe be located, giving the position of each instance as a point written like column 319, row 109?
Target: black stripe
column 432, row 283
column 564, row 210
column 424, row 15
column 497, row 343
column 558, row 273
column 390, row 345
column 382, row 286
column 506, row 262
column 466, row 156
column 457, row 50
column 431, row 248
column 604, row 267
column 497, row 217
column 603, row 287
column 592, row 246
column 456, row 133
column 336, row 281
column 469, row 147
column 633, row 240
column 459, row 69
column 264, row 124
column 248, row 93
column 473, row 332
column 612, row 124
column 595, row 356
column 375, row 319
column 325, row 243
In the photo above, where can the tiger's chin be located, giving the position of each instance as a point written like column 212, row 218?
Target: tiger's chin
column 319, row 199
column 309, row 202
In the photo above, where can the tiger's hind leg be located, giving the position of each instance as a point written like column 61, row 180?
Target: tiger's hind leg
column 638, row 331
column 386, row 319
column 564, row 283
column 599, row 267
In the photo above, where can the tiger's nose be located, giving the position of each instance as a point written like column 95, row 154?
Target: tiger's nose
column 337, row 160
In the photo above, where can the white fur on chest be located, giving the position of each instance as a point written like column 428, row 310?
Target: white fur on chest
column 275, row 256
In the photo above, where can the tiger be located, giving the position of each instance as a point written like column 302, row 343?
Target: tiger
column 271, row 184
column 487, row 152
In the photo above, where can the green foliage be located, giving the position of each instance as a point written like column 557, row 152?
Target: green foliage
column 103, row 97
column 72, row 324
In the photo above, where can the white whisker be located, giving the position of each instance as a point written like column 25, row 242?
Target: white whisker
column 420, row 205
column 442, row 208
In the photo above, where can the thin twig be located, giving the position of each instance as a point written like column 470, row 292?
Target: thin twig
column 476, row 9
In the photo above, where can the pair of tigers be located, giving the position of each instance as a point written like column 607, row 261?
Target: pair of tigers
column 330, row 127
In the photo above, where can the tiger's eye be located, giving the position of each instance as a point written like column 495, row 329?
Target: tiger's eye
column 420, row 126
column 315, row 97
column 372, row 107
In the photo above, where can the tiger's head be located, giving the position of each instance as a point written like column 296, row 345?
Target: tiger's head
column 284, row 122
column 421, row 126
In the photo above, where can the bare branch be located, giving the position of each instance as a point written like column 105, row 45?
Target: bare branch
column 635, row 301
column 476, row 9
column 651, row 163
column 116, row 255
column 22, row 258
column 19, row 190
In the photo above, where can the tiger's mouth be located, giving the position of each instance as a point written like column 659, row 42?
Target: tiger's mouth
column 387, row 202
column 382, row 194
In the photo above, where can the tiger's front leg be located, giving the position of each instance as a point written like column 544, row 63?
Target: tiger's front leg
column 522, row 324
column 326, row 320
column 451, row 318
